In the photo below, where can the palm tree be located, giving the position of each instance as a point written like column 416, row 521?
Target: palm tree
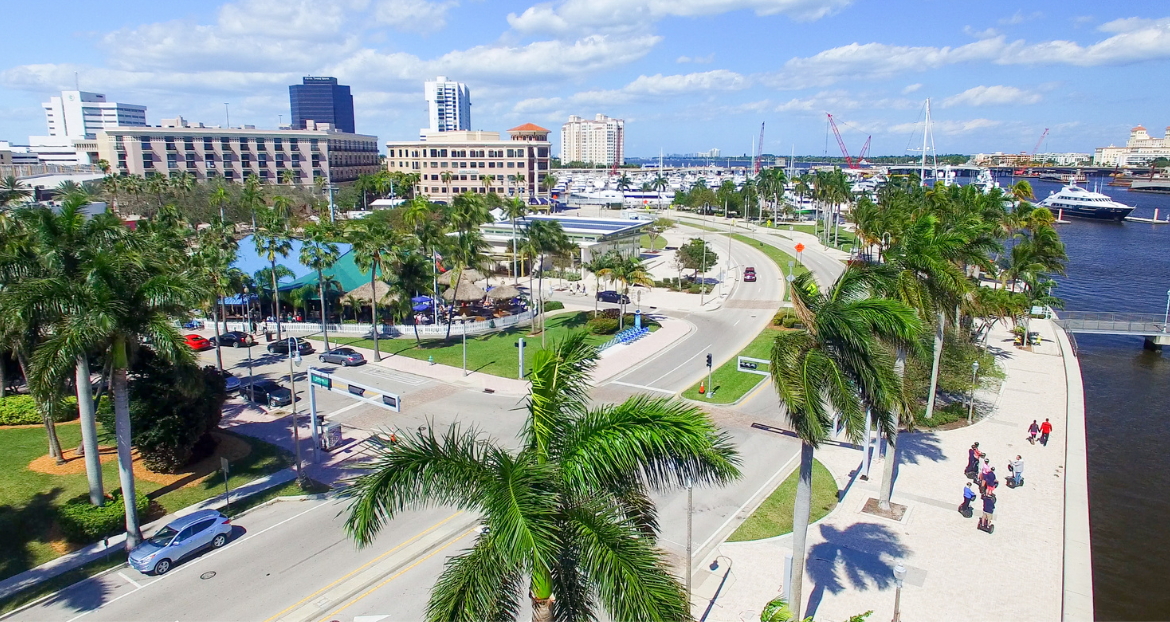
column 111, row 184
column 319, row 252
column 570, row 510
column 548, row 182
column 446, row 179
column 213, row 261
column 412, row 275
column 543, row 237
column 660, row 183
column 520, row 180
column 252, row 197
column 596, row 265
column 513, row 209
column 486, row 182
column 624, row 182
column 839, row 364
column 272, row 239
column 157, row 185
column 288, row 176
column 627, row 271
column 220, row 198
column 374, row 240
column 466, row 250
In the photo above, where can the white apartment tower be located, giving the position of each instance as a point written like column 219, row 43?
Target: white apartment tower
column 81, row 115
column 599, row 141
column 449, row 106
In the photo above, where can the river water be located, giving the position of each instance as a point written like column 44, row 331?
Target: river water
column 1124, row 267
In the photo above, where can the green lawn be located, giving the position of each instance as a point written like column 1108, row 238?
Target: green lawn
column 775, row 254
column 774, row 516
column 728, row 382
column 846, row 238
column 28, row 499
column 659, row 243
column 494, row 354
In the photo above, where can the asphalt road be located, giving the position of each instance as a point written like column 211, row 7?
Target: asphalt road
column 286, row 558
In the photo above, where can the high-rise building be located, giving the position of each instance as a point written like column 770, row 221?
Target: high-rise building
column 448, row 105
column 78, row 114
column 321, row 100
column 455, row 162
column 1140, row 150
column 600, row 141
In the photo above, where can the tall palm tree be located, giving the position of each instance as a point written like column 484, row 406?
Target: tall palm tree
column 271, row 239
column 111, row 184
column 486, row 182
column 520, row 181
column 466, row 250
column 412, row 275
column 252, row 197
column 158, row 185
column 319, row 252
column 514, row 208
column 624, row 182
column 541, row 238
column 596, row 265
column 839, row 364
column 548, row 182
column 220, row 198
column 213, row 259
column 428, row 223
column 627, row 271
column 288, row 176
column 570, row 511
column 373, row 239
column 446, row 177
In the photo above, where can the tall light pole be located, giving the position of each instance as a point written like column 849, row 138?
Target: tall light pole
column 1166, row 317
column 899, row 576
column 971, row 408
column 463, row 326
column 251, row 389
column 690, row 559
column 294, row 353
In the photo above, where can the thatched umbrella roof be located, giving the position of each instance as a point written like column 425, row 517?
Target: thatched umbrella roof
column 366, row 293
column 470, row 275
column 468, row 292
column 504, row 292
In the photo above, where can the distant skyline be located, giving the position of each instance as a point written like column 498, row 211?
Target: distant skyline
column 686, row 75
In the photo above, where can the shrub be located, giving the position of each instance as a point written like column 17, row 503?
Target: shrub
column 22, row 410
column 84, row 522
column 554, row 305
column 694, row 289
column 786, row 318
column 602, row 325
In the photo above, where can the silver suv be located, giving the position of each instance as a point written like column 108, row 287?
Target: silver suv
column 182, row 538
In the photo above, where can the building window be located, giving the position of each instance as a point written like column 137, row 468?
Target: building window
column 172, row 161
column 260, row 143
column 278, row 143
column 147, row 160
column 225, row 143
column 519, row 165
column 510, row 165
column 208, row 145
column 190, row 160
column 491, row 165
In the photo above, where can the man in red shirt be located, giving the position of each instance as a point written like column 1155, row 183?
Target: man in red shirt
column 1045, row 430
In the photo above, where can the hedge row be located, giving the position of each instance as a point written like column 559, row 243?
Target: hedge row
column 22, row 410
column 553, row 305
column 83, row 522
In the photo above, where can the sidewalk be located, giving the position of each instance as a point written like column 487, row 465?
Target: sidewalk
column 954, row 571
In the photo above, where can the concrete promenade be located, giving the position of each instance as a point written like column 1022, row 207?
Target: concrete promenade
column 1035, row 566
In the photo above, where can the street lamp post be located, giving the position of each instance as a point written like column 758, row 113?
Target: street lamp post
column 971, row 408
column 251, row 389
column 294, row 353
column 690, row 559
column 464, row 327
column 899, row 576
column 1166, row 317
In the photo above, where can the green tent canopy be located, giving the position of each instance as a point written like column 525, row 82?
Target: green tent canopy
column 345, row 271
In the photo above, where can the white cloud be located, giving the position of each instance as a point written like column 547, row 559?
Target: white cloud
column 837, row 100
column 980, row 34
column 910, row 88
column 575, row 16
column 703, row 60
column 946, row 127
column 991, row 96
column 1020, row 17
column 413, row 15
column 642, row 88
column 1136, row 40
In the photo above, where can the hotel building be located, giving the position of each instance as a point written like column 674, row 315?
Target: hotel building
column 448, row 106
column 78, row 114
column 450, row 163
column 235, row 154
column 1140, row 150
column 600, row 141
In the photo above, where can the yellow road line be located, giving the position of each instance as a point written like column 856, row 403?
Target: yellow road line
column 364, row 566
column 398, row 574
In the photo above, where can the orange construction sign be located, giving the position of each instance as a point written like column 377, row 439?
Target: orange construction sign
column 799, row 247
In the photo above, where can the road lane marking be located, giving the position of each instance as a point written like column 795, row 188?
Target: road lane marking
column 342, row 410
column 706, row 348
column 400, row 573
column 131, row 581
column 642, row 386
column 195, row 561
column 364, row 566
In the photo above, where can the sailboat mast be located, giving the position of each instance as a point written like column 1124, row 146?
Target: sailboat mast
column 925, row 131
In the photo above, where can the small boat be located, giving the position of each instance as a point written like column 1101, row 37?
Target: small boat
column 1077, row 202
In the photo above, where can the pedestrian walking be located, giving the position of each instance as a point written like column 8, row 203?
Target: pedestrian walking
column 1033, row 430
column 973, row 456
column 968, row 497
column 990, row 481
column 988, row 513
column 1017, row 468
column 1045, row 430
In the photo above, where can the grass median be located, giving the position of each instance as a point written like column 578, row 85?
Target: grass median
column 728, row 383
column 774, row 516
column 494, row 354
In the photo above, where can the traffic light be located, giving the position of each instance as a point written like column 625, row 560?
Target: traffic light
column 708, row 360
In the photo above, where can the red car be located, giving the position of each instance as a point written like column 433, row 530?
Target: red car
column 749, row 274
column 197, row 343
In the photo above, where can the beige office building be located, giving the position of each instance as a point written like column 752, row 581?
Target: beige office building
column 451, row 163
column 600, row 141
column 237, row 153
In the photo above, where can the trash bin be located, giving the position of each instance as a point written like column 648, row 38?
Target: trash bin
column 268, row 335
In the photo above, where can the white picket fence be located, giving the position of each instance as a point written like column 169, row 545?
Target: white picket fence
column 427, row 331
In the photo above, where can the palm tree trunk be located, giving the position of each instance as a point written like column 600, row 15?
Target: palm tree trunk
column 46, row 414
column 85, row 407
column 515, row 275
column 800, row 516
column 3, row 375
column 275, row 300
column 215, row 321
column 891, row 459
column 122, row 431
column 324, row 320
column 938, row 347
column 455, row 279
column 374, row 312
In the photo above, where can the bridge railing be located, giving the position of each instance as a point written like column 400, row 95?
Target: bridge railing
column 1111, row 322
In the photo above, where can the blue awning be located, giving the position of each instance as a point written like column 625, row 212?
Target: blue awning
column 238, row 299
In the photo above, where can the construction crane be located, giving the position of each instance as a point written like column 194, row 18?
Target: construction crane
column 841, row 143
column 864, row 150
column 1032, row 156
column 759, row 151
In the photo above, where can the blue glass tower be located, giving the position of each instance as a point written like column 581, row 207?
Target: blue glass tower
column 322, row 100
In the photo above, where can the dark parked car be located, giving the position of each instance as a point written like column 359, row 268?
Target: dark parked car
column 234, row 338
column 342, row 356
column 268, row 392
column 181, row 539
column 231, row 384
column 612, row 296
column 281, row 346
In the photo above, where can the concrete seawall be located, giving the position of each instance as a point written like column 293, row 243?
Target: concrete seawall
column 1077, row 596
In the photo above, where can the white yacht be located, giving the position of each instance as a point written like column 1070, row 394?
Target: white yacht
column 1072, row 200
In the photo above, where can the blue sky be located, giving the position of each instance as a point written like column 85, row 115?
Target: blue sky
column 687, row 75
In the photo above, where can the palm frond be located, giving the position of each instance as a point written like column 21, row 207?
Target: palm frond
column 477, row 586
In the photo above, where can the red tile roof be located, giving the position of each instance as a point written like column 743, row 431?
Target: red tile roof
column 528, row 127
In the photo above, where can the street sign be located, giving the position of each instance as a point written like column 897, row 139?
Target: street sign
column 799, row 247
column 790, row 278
column 356, row 390
column 324, row 381
column 223, row 465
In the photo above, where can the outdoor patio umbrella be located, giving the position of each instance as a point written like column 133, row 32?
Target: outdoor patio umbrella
column 469, row 274
column 504, row 292
column 467, row 292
